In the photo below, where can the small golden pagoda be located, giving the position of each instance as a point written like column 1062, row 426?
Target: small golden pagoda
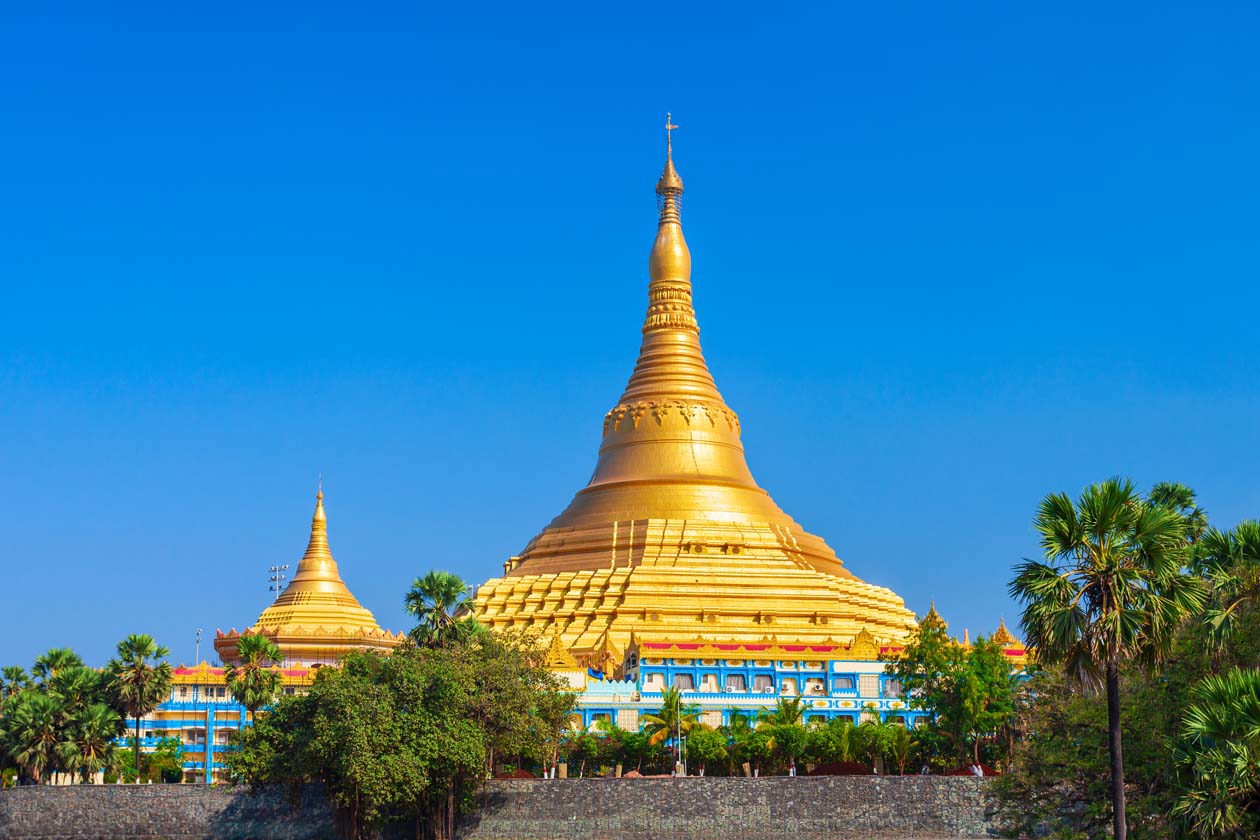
column 316, row 620
column 672, row 540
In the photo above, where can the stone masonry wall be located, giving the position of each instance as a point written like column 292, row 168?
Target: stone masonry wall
column 835, row 808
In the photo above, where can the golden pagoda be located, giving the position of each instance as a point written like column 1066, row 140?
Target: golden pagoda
column 315, row 620
column 672, row 539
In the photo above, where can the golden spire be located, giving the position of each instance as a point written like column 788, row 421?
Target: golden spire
column 316, row 596
column 671, row 365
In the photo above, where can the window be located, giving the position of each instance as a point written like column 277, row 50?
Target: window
column 892, row 688
column 735, row 682
column 842, row 684
column 183, row 692
column 763, row 682
column 868, row 685
column 654, row 682
column 897, row 719
column 708, row 682
column 684, row 682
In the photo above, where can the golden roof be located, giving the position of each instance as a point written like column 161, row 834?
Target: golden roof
column 1002, row 636
column 672, row 534
column 316, row 617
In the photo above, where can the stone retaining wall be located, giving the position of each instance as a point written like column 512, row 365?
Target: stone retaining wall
column 835, row 808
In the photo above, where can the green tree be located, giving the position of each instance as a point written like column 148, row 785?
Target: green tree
column 139, row 678
column 674, row 718
column 832, row 742
column 900, row 745
column 252, row 678
column 74, row 688
column 48, row 664
column 970, row 692
column 32, row 733
column 13, row 678
column 1111, row 589
column 788, row 741
column 88, row 742
column 871, row 741
column 403, row 735
column 1218, row 756
column 788, row 711
column 986, row 692
column 435, row 601
column 1181, row 500
column 1230, row 562
column 706, row 747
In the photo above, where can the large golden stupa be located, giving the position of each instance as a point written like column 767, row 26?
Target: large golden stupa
column 316, row 619
column 672, row 540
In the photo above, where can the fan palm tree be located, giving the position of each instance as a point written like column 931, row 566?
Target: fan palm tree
column 1230, row 561
column 788, row 711
column 252, row 679
column 89, row 740
column 1219, row 756
column 139, row 679
column 1111, row 588
column 436, row 601
column 74, row 687
column 673, row 719
column 1182, row 500
column 48, row 664
column 13, row 678
column 32, row 733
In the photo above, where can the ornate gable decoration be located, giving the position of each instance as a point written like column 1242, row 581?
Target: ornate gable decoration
column 558, row 657
column 864, row 646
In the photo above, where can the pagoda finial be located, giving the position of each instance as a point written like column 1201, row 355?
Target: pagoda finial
column 670, row 186
column 933, row 618
column 319, row 522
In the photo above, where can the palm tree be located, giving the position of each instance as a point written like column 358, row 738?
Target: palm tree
column 900, row 744
column 48, row 664
column 1230, row 562
column 13, row 678
column 1182, row 500
column 32, row 733
column 89, row 740
column 251, row 679
column 139, row 679
column 673, row 719
column 788, row 711
column 435, row 601
column 74, row 687
column 1112, row 588
column 1218, row 756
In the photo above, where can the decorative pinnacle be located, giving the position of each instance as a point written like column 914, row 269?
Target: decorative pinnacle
column 670, row 186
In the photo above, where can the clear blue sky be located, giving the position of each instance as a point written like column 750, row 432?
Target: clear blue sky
column 945, row 262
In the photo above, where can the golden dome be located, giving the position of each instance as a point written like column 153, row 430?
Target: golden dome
column 315, row 618
column 672, row 536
